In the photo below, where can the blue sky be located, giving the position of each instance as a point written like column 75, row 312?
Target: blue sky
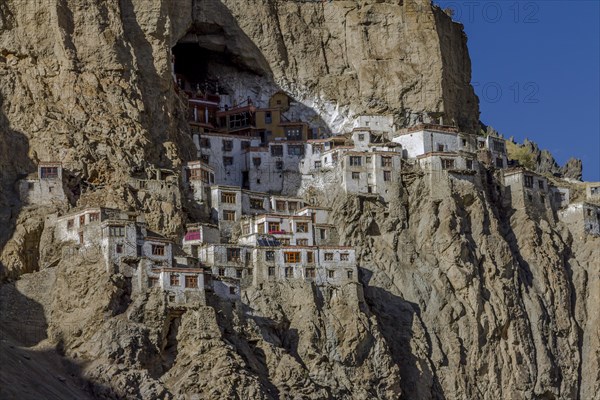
column 536, row 70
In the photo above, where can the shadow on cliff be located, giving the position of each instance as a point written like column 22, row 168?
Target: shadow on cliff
column 396, row 318
column 249, row 349
column 29, row 367
column 504, row 216
column 155, row 117
column 14, row 148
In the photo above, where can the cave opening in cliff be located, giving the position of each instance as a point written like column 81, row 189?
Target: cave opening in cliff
column 220, row 72
column 193, row 66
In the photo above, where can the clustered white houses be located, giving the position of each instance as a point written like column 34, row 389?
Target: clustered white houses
column 258, row 226
column 122, row 241
column 298, row 245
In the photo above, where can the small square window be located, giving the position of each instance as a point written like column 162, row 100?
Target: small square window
column 447, row 163
column 227, row 145
column 355, row 161
column 269, row 255
column 158, row 250
column 228, row 215
column 228, row 197
column 191, row 281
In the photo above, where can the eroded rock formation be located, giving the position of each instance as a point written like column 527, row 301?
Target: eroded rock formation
column 459, row 297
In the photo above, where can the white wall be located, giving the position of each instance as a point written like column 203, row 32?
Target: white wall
column 592, row 190
column 226, row 175
column 371, row 173
column 275, row 174
column 581, row 218
column 375, row 122
column 417, row 143
column 42, row 191
column 361, row 145
column 182, row 293
column 218, row 207
column 166, row 259
column 298, row 270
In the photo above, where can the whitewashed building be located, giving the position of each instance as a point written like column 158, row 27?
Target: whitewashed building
column 333, row 266
column 45, row 186
column 225, row 154
column 274, row 167
column 581, row 218
column 423, row 139
column 255, row 202
column 376, row 122
column 183, row 285
column 116, row 234
column 492, row 151
column 199, row 234
column 122, row 241
column 314, row 158
column 324, row 232
column 592, row 191
column 296, row 230
column 228, row 260
column 524, row 189
column 197, row 178
column 371, row 172
column 226, row 207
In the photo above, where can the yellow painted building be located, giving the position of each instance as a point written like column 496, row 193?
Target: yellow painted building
column 268, row 123
column 273, row 121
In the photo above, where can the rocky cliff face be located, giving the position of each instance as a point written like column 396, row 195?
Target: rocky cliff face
column 459, row 297
column 349, row 57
